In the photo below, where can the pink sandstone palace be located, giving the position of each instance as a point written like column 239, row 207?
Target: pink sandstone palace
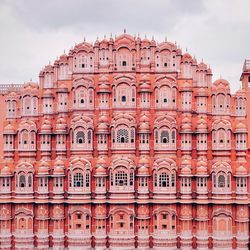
column 125, row 143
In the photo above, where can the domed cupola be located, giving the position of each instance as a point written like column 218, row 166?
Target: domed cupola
column 241, row 175
column 9, row 129
column 100, row 177
column 241, row 135
column 102, row 134
column 6, row 171
column 46, row 127
column 43, row 168
column 58, row 179
column 61, row 125
column 143, row 177
column 186, row 125
column 43, row 180
column 202, row 126
column 186, row 177
column 5, row 182
column 144, row 133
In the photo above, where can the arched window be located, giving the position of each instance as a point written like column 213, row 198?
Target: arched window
column 89, row 137
column 163, row 180
column 22, row 181
column 164, row 136
column 30, row 181
column 121, row 178
column 122, row 136
column 78, row 180
column 221, row 181
column 80, row 137
column 87, row 179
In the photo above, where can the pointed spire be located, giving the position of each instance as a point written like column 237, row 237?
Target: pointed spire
column 111, row 35
column 166, row 39
column 63, row 51
column 124, row 31
column 84, row 39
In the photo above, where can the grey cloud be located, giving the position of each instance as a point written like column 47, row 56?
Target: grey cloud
column 34, row 32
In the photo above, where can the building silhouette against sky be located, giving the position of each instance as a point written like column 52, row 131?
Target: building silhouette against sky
column 125, row 143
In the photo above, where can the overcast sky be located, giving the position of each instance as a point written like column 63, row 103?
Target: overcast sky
column 32, row 33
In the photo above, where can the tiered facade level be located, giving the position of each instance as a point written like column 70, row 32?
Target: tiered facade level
column 125, row 143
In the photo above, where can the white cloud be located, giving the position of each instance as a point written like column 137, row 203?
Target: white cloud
column 32, row 33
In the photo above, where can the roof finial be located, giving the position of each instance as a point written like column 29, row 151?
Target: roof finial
column 64, row 51
column 124, row 30
column 30, row 79
column 111, row 34
column 166, row 39
column 153, row 37
column 49, row 62
column 186, row 50
column 220, row 76
column 145, row 36
column 84, row 39
column 202, row 60
column 105, row 36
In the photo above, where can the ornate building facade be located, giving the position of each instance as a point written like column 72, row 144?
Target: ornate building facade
column 125, row 143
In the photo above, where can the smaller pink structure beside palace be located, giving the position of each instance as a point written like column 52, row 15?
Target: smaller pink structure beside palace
column 125, row 143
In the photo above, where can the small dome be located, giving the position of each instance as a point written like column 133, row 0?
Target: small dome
column 144, row 127
column 241, row 170
column 144, row 118
column 143, row 171
column 186, row 162
column 241, row 127
column 186, row 124
column 202, row 66
column 221, row 81
column 202, row 170
column 9, row 129
column 46, row 126
column 58, row 170
column 186, row 171
column 101, row 161
column 201, row 163
column 59, row 162
column 100, row 170
column 104, row 86
column 102, row 127
column 145, row 40
column 202, row 124
column 186, row 58
column 61, row 124
column 145, row 86
column 6, row 171
column 43, row 168
column 143, row 161
column 47, row 93
column 103, row 118
column 104, row 42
